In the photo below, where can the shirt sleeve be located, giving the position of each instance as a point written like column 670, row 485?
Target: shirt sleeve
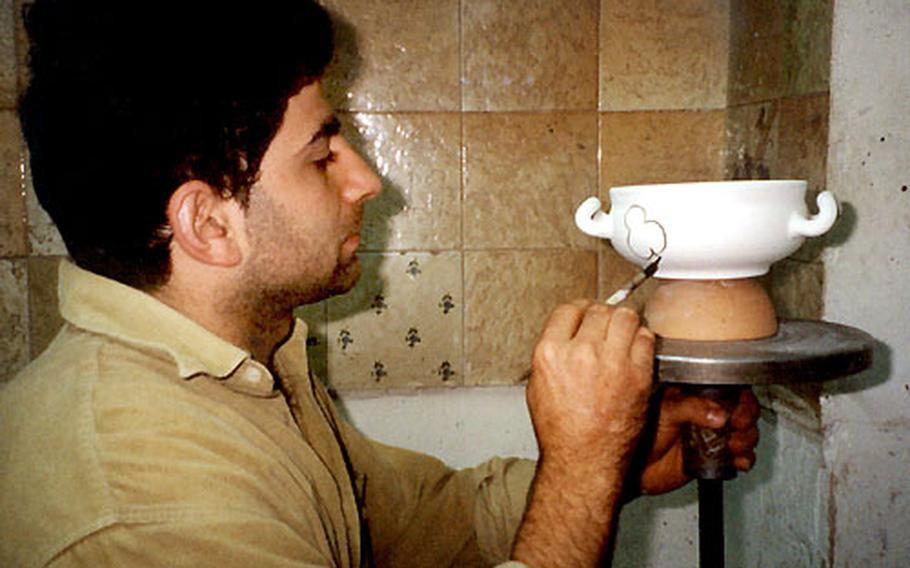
column 213, row 538
column 422, row 513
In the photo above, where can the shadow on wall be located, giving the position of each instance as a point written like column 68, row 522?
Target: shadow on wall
column 843, row 228
column 878, row 373
column 340, row 76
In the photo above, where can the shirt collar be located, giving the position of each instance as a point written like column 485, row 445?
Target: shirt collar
column 108, row 307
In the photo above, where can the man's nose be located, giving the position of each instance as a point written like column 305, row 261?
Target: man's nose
column 358, row 182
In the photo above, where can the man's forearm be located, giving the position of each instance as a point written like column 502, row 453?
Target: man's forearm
column 570, row 519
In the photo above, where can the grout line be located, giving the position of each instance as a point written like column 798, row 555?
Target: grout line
column 462, row 162
column 462, row 152
column 598, row 160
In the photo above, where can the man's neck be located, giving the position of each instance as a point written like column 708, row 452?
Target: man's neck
column 249, row 324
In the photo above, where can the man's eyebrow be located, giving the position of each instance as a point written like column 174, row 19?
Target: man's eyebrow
column 330, row 127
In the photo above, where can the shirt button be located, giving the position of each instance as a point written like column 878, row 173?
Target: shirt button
column 252, row 375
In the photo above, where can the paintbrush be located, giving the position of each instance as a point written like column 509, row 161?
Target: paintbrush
column 636, row 281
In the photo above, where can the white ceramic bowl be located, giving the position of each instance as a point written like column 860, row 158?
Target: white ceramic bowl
column 708, row 230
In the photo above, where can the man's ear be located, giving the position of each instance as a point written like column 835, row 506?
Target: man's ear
column 205, row 225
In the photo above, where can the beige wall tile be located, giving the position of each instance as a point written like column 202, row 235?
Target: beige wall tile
column 757, row 48
column 43, row 236
column 803, row 154
column 797, row 289
column 752, row 141
column 44, row 314
column 419, row 159
column 508, row 296
column 807, row 53
column 8, row 75
column 401, row 326
column 405, row 55
column 13, row 317
column 663, row 55
column 317, row 342
column 13, row 232
column 524, row 175
column 661, row 147
column 803, row 139
column 21, row 44
column 529, row 54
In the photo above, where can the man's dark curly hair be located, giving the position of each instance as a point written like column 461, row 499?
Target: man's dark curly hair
column 128, row 99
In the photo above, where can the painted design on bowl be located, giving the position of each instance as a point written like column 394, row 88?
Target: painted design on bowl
column 646, row 238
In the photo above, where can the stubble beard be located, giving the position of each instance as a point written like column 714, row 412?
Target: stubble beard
column 275, row 293
column 277, row 282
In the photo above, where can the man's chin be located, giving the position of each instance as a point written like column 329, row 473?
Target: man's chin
column 346, row 277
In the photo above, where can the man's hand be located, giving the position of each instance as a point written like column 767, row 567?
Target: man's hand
column 590, row 384
column 588, row 396
column 663, row 468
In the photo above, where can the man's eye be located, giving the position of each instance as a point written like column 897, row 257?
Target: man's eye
column 323, row 163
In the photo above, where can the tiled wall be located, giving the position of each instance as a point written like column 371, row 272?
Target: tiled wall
column 777, row 127
column 489, row 121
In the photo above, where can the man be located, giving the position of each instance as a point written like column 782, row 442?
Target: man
column 196, row 173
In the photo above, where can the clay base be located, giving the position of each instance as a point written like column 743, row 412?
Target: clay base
column 711, row 310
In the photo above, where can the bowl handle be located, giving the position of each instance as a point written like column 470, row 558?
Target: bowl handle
column 817, row 224
column 590, row 219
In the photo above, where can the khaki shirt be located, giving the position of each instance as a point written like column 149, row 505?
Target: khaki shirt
column 141, row 439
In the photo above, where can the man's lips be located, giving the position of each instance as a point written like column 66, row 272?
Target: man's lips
column 353, row 240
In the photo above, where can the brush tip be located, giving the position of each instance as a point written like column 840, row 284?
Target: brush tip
column 652, row 268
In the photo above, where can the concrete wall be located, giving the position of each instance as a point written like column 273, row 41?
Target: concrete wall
column 867, row 419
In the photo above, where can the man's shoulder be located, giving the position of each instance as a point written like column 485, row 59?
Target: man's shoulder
column 68, row 380
column 55, row 418
column 50, row 484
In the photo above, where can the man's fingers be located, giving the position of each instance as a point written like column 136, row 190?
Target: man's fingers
column 744, row 462
column 564, row 321
column 743, row 441
column 623, row 327
column 642, row 354
column 594, row 325
column 678, row 409
column 746, row 413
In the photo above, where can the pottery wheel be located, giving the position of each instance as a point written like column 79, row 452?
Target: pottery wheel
column 801, row 352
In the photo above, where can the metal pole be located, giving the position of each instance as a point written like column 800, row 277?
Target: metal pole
column 711, row 523
column 708, row 458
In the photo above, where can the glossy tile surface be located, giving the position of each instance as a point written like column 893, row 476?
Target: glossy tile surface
column 44, row 314
column 803, row 139
column 757, row 48
column 661, row 147
column 403, row 56
column 524, row 176
column 797, row 289
column 418, row 158
column 529, row 54
column 807, row 61
column 752, row 141
column 803, row 154
column 13, row 317
column 13, row 231
column 779, row 49
column 8, row 74
column 43, row 236
column 669, row 55
column 401, row 326
column 508, row 296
